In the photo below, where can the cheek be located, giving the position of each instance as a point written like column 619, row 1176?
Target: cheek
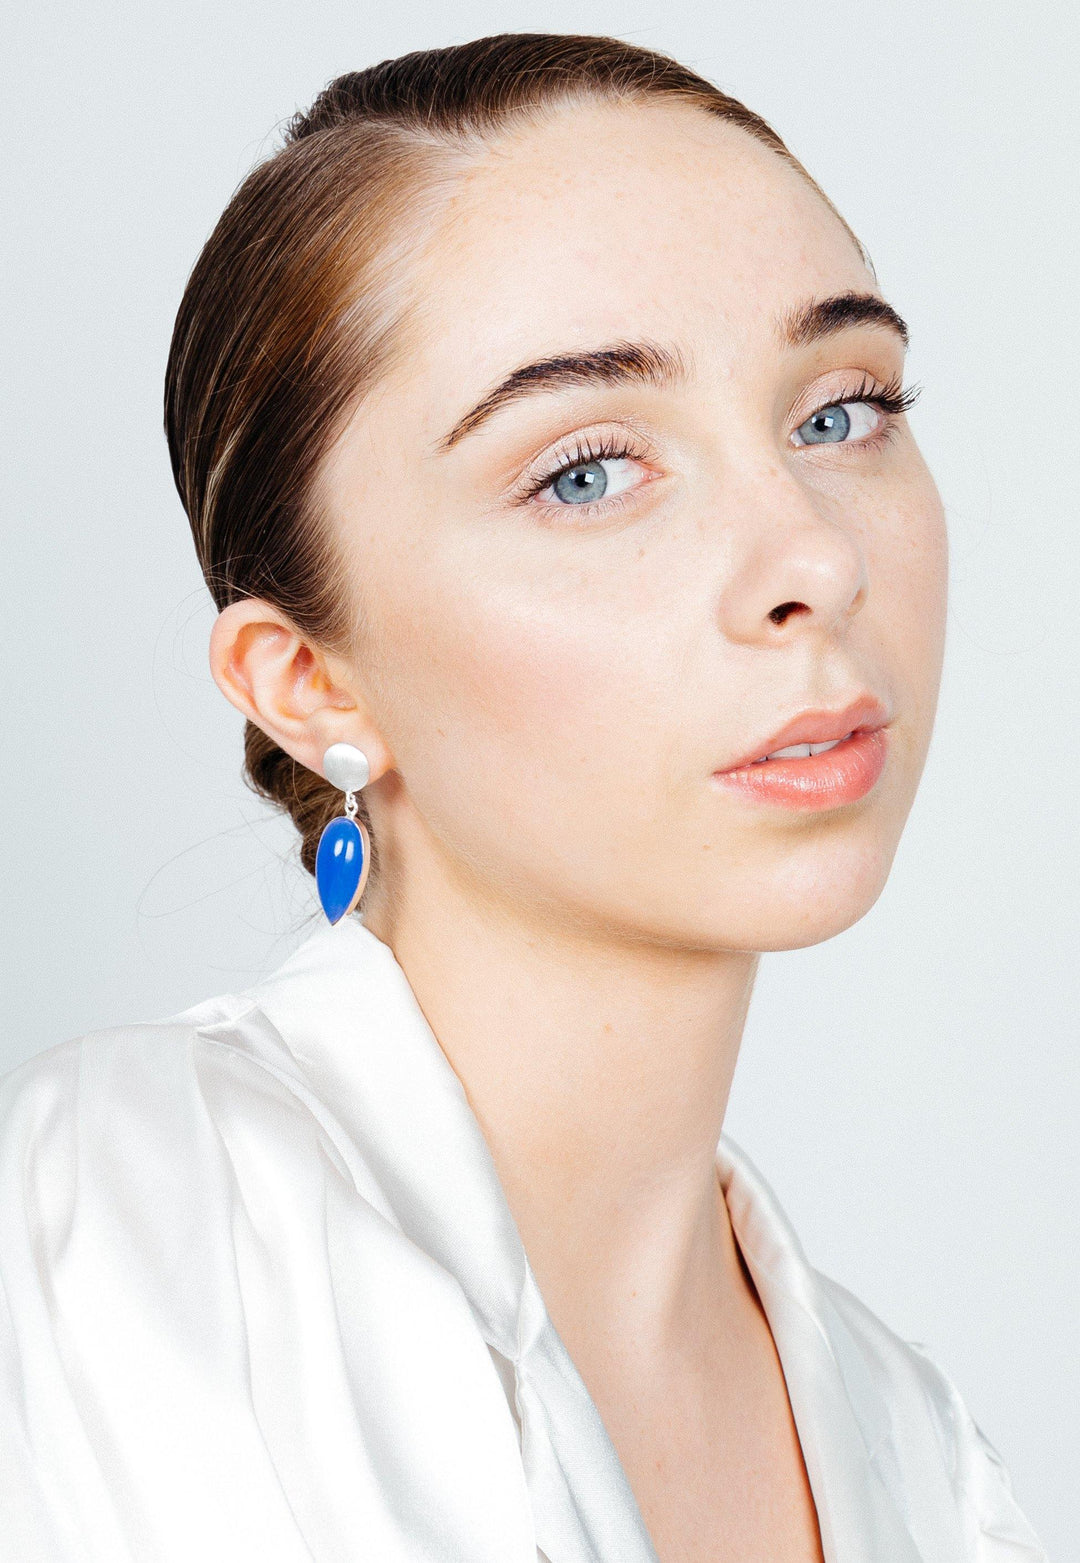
column 902, row 632
column 513, row 697
column 913, row 589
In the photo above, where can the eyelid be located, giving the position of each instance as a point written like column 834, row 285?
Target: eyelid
column 862, row 386
column 599, row 442
column 889, row 396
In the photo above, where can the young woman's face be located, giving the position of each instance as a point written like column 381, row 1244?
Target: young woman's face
column 681, row 525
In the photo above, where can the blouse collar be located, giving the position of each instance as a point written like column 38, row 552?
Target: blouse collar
column 345, row 1011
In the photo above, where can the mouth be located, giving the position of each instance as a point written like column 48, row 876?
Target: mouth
column 820, row 760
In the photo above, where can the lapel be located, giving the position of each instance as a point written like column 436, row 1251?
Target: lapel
column 344, row 1009
column 840, row 1409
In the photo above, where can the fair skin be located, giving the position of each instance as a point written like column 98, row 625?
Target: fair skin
column 544, row 691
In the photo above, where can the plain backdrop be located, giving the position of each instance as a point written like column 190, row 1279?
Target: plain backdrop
column 910, row 1088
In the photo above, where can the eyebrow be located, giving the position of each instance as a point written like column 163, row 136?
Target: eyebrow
column 648, row 363
column 823, row 317
column 626, row 363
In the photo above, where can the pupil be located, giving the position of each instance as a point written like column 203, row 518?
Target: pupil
column 578, row 485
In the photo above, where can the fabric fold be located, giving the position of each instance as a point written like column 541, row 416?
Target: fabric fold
column 262, row 1300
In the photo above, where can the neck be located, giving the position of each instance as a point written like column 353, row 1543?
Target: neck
column 599, row 1069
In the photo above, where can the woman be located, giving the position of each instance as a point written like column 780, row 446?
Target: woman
column 540, row 425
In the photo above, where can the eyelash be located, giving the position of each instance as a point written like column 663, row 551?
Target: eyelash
column 604, row 447
column 891, row 400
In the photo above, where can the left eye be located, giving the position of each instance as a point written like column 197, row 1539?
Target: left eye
column 587, row 481
column 835, row 424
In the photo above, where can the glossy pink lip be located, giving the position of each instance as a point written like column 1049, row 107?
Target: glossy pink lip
column 819, row 781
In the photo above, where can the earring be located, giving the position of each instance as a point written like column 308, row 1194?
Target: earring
column 344, row 851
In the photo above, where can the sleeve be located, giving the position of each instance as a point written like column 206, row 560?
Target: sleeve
column 998, row 1530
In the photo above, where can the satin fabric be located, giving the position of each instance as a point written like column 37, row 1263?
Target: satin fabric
column 262, row 1298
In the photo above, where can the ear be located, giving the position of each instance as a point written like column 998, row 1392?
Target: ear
column 297, row 694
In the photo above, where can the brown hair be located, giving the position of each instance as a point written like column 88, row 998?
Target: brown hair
column 287, row 318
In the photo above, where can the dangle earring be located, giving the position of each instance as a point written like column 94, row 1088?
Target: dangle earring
column 343, row 856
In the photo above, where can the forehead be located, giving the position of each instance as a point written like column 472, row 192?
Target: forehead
column 606, row 222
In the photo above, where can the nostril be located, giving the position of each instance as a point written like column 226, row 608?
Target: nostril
column 779, row 614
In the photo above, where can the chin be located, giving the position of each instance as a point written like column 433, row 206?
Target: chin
column 789, row 928
column 801, row 897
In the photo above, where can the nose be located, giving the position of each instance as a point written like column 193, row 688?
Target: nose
column 799, row 574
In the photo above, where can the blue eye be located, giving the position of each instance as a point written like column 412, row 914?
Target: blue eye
column 833, row 424
column 600, row 477
column 578, row 485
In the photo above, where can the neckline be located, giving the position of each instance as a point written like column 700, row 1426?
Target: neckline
column 343, row 1007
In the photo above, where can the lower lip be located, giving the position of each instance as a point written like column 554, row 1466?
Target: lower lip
column 816, row 781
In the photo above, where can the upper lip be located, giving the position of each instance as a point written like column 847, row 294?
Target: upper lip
column 818, row 727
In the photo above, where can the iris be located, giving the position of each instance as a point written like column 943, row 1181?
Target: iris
column 829, row 425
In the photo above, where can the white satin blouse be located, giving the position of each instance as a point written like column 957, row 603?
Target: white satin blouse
column 262, row 1301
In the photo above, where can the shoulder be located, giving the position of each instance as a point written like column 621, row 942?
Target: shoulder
column 111, row 1095
column 204, row 1289
column 158, row 1178
column 162, row 1119
column 111, row 1145
column 918, row 1393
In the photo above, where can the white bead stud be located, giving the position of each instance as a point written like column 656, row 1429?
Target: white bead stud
column 346, row 767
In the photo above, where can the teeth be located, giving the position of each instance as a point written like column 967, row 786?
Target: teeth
column 801, row 751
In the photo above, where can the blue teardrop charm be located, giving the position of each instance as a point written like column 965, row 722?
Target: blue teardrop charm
column 339, row 867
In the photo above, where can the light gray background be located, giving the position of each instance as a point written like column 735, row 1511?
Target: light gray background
column 910, row 1088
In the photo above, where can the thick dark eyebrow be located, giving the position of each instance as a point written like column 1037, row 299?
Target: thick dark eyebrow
column 647, row 363
column 625, row 363
column 822, row 317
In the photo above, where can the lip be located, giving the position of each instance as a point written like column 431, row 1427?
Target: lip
column 840, row 775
